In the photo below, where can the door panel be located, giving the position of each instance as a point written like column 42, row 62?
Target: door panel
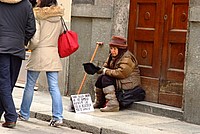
column 145, row 43
column 173, row 52
column 144, row 26
column 157, row 36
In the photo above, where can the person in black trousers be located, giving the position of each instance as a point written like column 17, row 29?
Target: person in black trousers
column 17, row 26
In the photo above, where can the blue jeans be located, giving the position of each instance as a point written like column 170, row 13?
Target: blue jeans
column 57, row 107
column 9, row 70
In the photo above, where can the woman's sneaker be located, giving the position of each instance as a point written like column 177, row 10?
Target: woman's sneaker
column 56, row 123
column 21, row 118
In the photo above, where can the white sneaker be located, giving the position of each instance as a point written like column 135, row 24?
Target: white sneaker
column 21, row 118
column 55, row 123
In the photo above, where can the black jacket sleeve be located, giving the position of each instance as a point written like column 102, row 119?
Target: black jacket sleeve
column 30, row 27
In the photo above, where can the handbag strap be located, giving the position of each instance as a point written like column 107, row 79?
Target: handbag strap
column 64, row 25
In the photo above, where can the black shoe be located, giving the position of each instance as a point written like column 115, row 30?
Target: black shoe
column 9, row 124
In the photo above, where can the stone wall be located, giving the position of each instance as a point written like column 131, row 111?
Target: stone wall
column 192, row 66
column 94, row 22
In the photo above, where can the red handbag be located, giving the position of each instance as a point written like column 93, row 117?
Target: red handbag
column 67, row 41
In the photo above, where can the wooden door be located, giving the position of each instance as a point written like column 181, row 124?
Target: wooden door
column 157, row 35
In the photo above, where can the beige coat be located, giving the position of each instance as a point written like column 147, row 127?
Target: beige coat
column 44, row 55
column 126, row 71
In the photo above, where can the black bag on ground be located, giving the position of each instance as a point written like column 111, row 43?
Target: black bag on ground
column 127, row 97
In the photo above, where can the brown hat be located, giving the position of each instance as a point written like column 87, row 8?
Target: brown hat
column 119, row 42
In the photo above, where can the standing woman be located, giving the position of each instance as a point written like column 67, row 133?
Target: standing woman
column 45, row 57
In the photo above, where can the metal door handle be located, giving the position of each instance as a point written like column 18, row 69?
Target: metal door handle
column 165, row 17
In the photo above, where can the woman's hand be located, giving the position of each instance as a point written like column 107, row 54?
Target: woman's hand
column 104, row 70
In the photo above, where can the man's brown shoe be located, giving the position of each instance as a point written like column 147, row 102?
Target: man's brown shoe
column 9, row 124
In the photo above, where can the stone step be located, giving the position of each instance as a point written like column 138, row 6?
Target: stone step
column 158, row 109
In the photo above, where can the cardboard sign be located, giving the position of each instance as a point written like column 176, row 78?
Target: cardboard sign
column 82, row 103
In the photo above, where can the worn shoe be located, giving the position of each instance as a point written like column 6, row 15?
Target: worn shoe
column 55, row 123
column 110, row 109
column 9, row 124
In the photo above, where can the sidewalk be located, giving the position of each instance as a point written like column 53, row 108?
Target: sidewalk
column 122, row 122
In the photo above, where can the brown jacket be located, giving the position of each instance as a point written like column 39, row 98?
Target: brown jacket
column 125, row 71
column 44, row 55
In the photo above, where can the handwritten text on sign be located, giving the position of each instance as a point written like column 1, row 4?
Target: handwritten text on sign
column 82, row 103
